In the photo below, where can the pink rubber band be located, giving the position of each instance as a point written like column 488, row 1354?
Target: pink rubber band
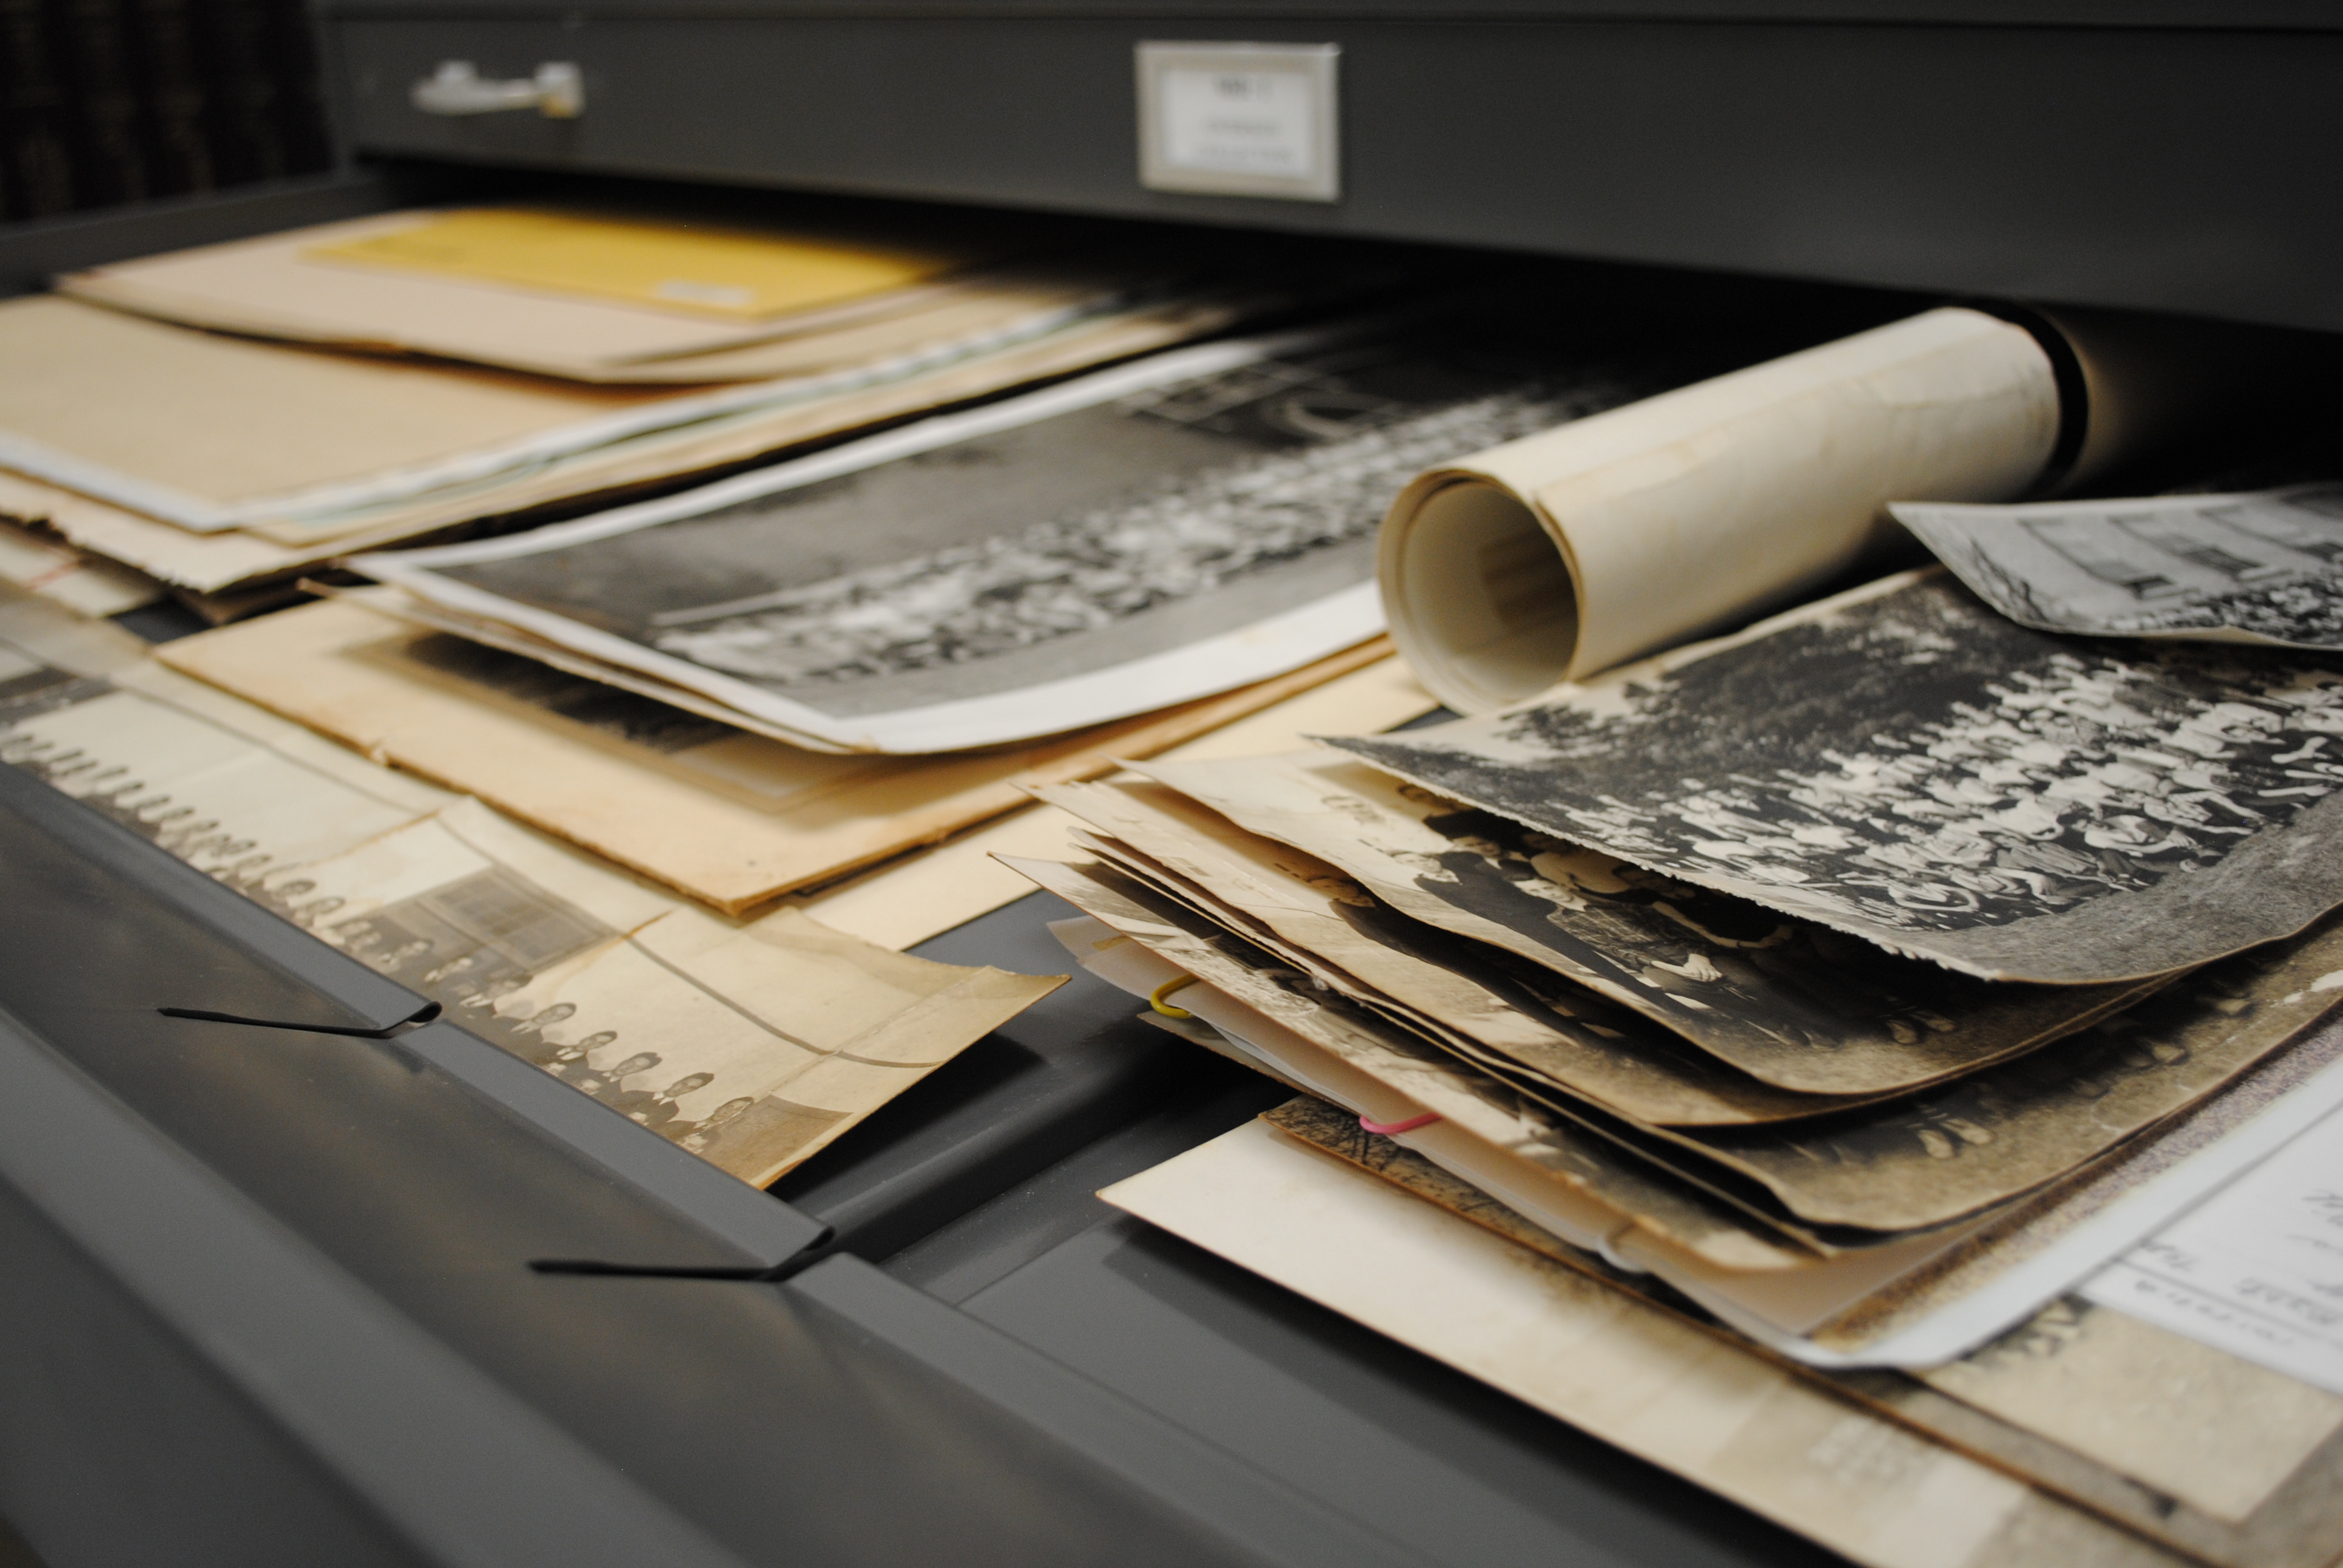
column 1388, row 1128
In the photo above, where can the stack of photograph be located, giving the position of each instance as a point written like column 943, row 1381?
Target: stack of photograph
column 1854, row 987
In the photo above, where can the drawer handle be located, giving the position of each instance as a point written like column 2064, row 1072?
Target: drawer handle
column 558, row 91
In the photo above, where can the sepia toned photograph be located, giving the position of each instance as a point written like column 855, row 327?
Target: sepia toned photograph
column 1549, row 1147
column 1988, row 1137
column 1790, row 1002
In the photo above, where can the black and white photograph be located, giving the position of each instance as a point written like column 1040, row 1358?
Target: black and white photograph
column 2264, row 567
column 1904, row 764
column 1149, row 534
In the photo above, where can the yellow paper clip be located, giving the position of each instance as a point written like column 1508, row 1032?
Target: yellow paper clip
column 1155, row 998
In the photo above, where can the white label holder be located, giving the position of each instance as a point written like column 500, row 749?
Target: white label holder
column 1240, row 119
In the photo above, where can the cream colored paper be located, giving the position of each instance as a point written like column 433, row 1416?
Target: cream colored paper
column 728, row 426
column 1551, row 557
column 1607, row 1363
column 260, row 551
column 931, row 890
column 201, row 563
column 221, row 424
column 730, row 818
column 97, row 589
column 42, row 633
column 962, row 318
column 234, row 798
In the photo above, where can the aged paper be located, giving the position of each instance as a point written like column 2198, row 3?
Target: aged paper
column 2007, row 1264
column 2213, row 1431
column 1958, row 1148
column 929, row 891
column 42, row 635
column 750, row 421
column 1985, row 1138
column 97, row 589
column 753, row 1044
column 1789, row 1002
column 1902, row 763
column 213, row 432
column 2254, row 568
column 200, row 563
column 1602, row 1361
column 1779, row 1303
column 271, row 287
column 1906, row 1299
column 963, row 319
column 1313, row 914
column 1943, row 1157
column 266, row 286
column 2194, row 1448
column 207, row 431
column 116, row 511
column 2300, row 1526
column 228, row 805
column 731, row 818
column 1540, row 1146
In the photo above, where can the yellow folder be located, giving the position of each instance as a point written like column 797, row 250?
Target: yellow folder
column 738, row 273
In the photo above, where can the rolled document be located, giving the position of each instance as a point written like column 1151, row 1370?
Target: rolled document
column 1564, row 553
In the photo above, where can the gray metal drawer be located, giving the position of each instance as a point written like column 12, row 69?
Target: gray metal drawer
column 2165, row 167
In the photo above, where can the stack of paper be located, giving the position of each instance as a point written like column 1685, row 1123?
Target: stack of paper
column 754, row 1043
column 405, row 376
column 705, row 689
column 730, row 817
column 1863, row 986
column 82, row 583
column 702, row 688
column 1785, row 966
column 2083, row 1436
column 633, row 300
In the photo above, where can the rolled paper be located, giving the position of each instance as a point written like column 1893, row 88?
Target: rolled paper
column 1564, row 553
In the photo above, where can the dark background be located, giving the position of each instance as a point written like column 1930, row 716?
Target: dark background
column 104, row 101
